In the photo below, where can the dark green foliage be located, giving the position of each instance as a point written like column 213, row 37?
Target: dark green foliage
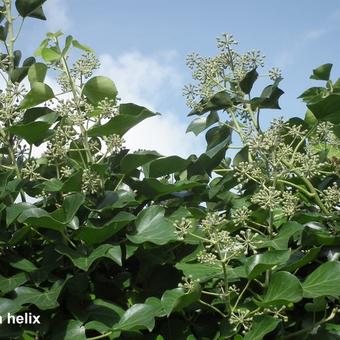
column 103, row 243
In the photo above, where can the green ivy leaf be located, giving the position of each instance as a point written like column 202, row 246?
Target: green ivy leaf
column 313, row 94
column 105, row 313
column 129, row 116
column 18, row 74
column 269, row 98
column 257, row 264
column 47, row 299
column 38, row 13
column 52, row 185
column 139, row 316
column 246, row 84
column 220, row 100
column 316, row 234
column 261, row 326
column 80, row 46
column 68, row 43
column 3, row 31
column 38, row 94
column 34, row 133
column 83, row 261
column 299, row 259
column 333, row 328
column 167, row 165
column 71, row 205
column 152, row 226
column 50, row 54
column 280, row 242
column 283, row 288
column 43, row 114
column 152, row 187
column 38, row 217
column 201, row 271
column 14, row 210
column 96, row 235
column 327, row 109
column 70, row 330
column 7, row 284
column 28, row 7
column 323, row 281
column 116, row 199
column 241, row 156
column 24, row 265
column 37, row 73
column 132, row 161
column 322, row 72
column 198, row 125
column 99, row 88
column 217, row 136
column 177, row 299
column 8, row 306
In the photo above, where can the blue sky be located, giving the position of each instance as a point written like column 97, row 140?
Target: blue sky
column 143, row 45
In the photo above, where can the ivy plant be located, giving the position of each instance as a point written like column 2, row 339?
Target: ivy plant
column 99, row 242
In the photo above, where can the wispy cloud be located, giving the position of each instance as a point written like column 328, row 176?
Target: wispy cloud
column 57, row 15
column 288, row 56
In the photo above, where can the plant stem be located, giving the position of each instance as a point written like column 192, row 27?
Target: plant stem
column 225, row 278
column 237, row 125
column 10, row 40
column 101, row 336
column 17, row 171
column 212, row 307
column 75, row 97
column 240, row 296
column 296, row 186
column 21, row 24
column 211, row 293
column 310, row 187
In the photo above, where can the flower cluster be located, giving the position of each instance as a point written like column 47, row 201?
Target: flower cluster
column 82, row 69
column 91, row 182
column 85, row 66
column 241, row 318
column 9, row 103
column 183, row 226
column 331, row 197
column 207, row 257
column 188, row 283
column 219, row 73
column 240, row 216
column 290, row 203
column 114, row 143
column 267, row 198
column 29, row 171
column 249, row 241
column 57, row 147
column 212, row 221
column 66, row 171
column 108, row 108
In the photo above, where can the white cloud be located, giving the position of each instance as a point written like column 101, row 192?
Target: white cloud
column 165, row 134
column 147, row 81
column 140, row 78
column 57, row 17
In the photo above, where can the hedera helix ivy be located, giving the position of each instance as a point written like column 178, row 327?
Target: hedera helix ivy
column 102, row 243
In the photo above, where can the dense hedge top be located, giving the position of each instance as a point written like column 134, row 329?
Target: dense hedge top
column 98, row 242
